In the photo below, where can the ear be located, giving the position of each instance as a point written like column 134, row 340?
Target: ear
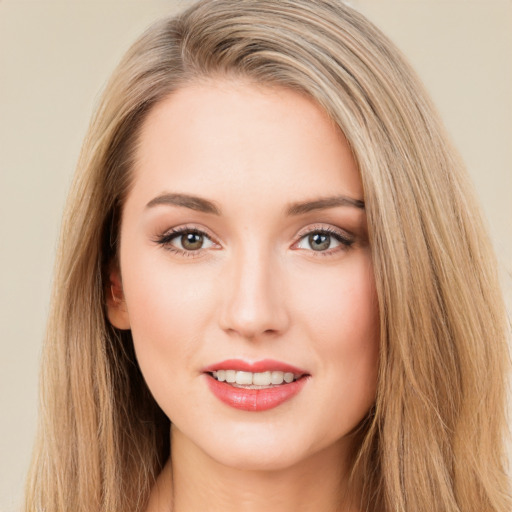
column 116, row 306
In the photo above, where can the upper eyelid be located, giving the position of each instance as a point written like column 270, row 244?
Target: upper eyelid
column 328, row 228
column 189, row 228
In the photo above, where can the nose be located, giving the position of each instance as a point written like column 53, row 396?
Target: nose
column 253, row 297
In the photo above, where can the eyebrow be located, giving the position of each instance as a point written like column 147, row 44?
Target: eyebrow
column 186, row 201
column 204, row 205
column 323, row 204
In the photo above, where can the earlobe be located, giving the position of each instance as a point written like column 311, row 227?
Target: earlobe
column 117, row 311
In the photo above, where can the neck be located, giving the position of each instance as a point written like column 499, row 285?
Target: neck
column 193, row 482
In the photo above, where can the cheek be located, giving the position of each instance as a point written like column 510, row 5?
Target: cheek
column 358, row 324
column 167, row 308
column 342, row 319
column 341, row 305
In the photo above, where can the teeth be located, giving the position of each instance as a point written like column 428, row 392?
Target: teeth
column 288, row 377
column 277, row 377
column 262, row 379
column 254, row 379
column 243, row 378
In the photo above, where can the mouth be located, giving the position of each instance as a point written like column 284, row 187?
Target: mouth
column 256, row 386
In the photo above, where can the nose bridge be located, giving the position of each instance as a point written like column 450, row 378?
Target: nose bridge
column 253, row 302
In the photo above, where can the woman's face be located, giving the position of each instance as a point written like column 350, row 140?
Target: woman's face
column 244, row 255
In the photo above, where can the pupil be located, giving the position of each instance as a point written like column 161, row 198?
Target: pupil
column 319, row 241
column 192, row 241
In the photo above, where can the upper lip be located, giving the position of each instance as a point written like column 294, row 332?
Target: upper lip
column 263, row 365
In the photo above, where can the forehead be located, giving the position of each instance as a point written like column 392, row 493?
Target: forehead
column 229, row 138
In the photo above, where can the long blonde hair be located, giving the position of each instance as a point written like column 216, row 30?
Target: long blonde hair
column 435, row 438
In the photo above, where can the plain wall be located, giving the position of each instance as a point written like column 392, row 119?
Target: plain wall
column 55, row 57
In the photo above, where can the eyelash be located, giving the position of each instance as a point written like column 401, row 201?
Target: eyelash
column 166, row 238
column 345, row 240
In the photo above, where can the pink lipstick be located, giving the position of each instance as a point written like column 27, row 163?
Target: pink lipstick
column 256, row 386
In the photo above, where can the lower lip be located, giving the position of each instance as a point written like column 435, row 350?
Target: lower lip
column 254, row 399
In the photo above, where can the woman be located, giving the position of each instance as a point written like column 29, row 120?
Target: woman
column 271, row 269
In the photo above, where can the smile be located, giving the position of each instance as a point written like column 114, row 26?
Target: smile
column 256, row 386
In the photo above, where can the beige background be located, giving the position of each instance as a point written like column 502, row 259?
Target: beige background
column 55, row 57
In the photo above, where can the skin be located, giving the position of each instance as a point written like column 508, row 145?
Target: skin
column 256, row 289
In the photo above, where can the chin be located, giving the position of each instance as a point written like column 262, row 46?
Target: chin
column 267, row 446
column 258, row 458
column 245, row 446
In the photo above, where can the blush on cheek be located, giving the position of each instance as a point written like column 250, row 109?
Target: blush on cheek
column 167, row 307
column 348, row 327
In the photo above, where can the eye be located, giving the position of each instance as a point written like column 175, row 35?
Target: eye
column 324, row 240
column 185, row 240
column 192, row 241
